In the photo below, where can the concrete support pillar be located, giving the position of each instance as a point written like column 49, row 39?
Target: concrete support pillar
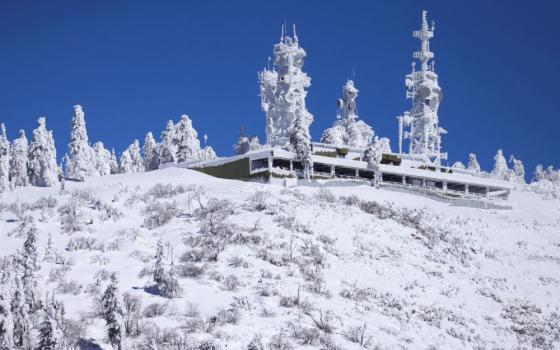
column 423, row 182
column 404, row 180
column 487, row 192
column 332, row 171
column 445, row 187
column 270, row 163
column 466, row 189
column 291, row 165
column 357, row 173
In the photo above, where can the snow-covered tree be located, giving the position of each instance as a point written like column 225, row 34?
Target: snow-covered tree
column 206, row 153
column 19, row 160
column 517, row 171
column 384, row 145
column 169, row 286
column 166, row 149
column 6, row 322
column 458, row 165
column 373, row 156
column 113, row 163
column 186, row 140
column 4, row 160
column 51, row 329
column 500, row 170
column 20, row 318
column 80, row 154
column 246, row 144
column 151, row 161
column 28, row 260
column 112, row 312
column 102, row 159
column 43, row 170
column 159, row 263
column 131, row 159
column 473, row 163
column 300, row 144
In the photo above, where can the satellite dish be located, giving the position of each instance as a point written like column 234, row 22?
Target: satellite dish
column 424, row 92
column 351, row 105
column 339, row 103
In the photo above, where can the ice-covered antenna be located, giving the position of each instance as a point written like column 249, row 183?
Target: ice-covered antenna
column 205, row 139
column 268, row 63
column 295, row 34
column 283, row 32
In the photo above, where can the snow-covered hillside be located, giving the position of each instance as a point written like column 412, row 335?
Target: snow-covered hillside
column 264, row 267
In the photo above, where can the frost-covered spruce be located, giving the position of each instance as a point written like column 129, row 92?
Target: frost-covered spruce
column 151, row 161
column 300, row 144
column 186, row 140
column 373, row 156
column 166, row 149
column 6, row 322
column 19, row 160
column 80, row 154
column 246, row 144
column 20, row 318
column 113, row 163
column 51, row 333
column 131, row 159
column 517, row 171
column 4, row 160
column 207, row 153
column 473, row 163
column 28, row 260
column 500, row 170
column 159, row 264
column 43, row 170
column 112, row 312
column 102, row 158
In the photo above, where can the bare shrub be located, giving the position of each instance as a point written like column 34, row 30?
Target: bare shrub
column 358, row 335
column 132, row 305
column 155, row 309
column 280, row 341
column 69, row 287
column 256, row 343
column 305, row 335
column 355, row 293
column 71, row 216
column 231, row 282
column 236, row 261
column 84, row 243
column 190, row 270
column 192, row 310
column 323, row 321
column 158, row 214
column 257, row 201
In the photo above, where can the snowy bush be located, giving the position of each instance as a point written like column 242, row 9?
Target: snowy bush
column 190, row 270
column 69, row 287
column 304, row 335
column 258, row 201
column 231, row 282
column 155, row 310
column 355, row 293
column 158, row 214
column 84, row 243
column 166, row 190
column 280, row 341
column 71, row 216
column 132, row 315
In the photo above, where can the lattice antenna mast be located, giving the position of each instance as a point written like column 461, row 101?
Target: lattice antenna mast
column 423, row 89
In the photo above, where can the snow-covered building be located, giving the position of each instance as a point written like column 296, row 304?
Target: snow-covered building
column 345, row 149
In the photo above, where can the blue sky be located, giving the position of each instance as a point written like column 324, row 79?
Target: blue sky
column 133, row 65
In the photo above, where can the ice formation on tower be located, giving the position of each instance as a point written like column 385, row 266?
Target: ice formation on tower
column 346, row 130
column 282, row 90
column 423, row 88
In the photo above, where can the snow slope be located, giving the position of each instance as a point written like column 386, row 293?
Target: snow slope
column 415, row 272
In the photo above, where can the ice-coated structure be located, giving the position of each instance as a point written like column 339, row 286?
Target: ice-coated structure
column 282, row 90
column 346, row 129
column 423, row 88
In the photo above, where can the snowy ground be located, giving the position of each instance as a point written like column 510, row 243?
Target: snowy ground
column 303, row 267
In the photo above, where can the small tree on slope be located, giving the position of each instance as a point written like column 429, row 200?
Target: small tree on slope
column 4, row 160
column 131, row 159
column 30, row 266
column 102, row 158
column 43, row 170
column 80, row 154
column 19, row 160
column 113, row 163
column 112, row 312
column 373, row 155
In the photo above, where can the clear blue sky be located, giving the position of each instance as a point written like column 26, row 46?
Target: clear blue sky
column 134, row 64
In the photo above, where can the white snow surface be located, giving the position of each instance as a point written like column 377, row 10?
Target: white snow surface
column 457, row 278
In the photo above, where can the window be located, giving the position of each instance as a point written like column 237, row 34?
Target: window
column 257, row 164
